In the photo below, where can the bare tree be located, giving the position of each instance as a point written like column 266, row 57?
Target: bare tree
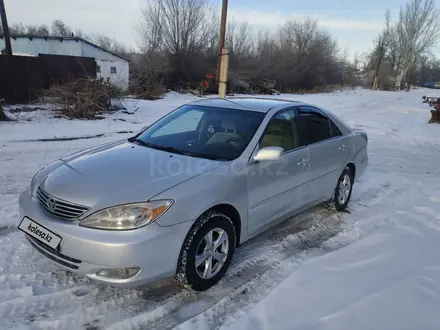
column 17, row 29
column 60, row 29
column 38, row 30
column 174, row 26
column 106, row 42
column 33, row 30
column 239, row 39
column 307, row 54
column 183, row 34
column 179, row 29
column 415, row 32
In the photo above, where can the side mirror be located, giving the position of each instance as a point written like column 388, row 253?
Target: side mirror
column 269, row 153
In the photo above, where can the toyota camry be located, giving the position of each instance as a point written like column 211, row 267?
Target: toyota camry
column 177, row 199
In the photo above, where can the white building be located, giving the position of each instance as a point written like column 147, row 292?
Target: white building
column 109, row 65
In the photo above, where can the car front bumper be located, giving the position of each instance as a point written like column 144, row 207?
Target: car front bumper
column 154, row 249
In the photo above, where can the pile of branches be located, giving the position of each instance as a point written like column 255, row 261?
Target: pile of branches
column 433, row 102
column 146, row 87
column 84, row 98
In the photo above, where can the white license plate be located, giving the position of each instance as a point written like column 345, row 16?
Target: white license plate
column 39, row 232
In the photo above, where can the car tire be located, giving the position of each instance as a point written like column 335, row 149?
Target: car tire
column 343, row 190
column 196, row 247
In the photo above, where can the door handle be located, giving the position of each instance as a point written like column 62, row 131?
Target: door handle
column 342, row 147
column 302, row 162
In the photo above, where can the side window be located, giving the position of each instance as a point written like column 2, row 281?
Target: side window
column 186, row 122
column 280, row 132
column 313, row 126
column 335, row 130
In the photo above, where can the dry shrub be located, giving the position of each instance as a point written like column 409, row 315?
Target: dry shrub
column 319, row 89
column 84, row 98
column 146, row 88
column 147, row 73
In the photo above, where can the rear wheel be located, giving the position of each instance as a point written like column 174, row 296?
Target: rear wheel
column 207, row 251
column 343, row 190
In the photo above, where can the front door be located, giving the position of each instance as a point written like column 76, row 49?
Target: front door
column 276, row 188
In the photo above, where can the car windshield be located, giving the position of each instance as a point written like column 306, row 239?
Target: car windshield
column 202, row 131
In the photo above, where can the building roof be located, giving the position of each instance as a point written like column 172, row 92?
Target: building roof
column 258, row 104
column 73, row 38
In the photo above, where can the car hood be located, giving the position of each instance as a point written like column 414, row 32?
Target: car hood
column 120, row 173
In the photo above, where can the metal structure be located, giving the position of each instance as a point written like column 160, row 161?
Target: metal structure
column 22, row 77
column 262, row 85
column 433, row 102
column 5, row 28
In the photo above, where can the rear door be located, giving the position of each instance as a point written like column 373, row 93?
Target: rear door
column 328, row 150
column 276, row 188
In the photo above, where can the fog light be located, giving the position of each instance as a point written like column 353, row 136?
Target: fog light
column 118, row 273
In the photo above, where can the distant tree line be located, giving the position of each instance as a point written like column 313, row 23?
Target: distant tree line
column 179, row 43
column 404, row 48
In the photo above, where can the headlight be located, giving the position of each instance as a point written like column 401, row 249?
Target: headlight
column 129, row 216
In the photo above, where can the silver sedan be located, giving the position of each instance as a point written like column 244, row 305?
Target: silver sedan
column 176, row 199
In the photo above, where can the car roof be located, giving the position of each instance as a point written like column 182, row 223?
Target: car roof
column 264, row 105
column 258, row 104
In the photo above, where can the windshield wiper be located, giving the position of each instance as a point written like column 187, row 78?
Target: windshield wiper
column 141, row 142
column 164, row 148
column 174, row 150
column 178, row 151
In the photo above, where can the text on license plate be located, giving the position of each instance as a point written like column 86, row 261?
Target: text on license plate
column 39, row 232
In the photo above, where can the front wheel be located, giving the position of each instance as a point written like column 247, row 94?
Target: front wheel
column 343, row 190
column 207, row 251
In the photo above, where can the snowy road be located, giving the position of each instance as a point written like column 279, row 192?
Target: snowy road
column 317, row 271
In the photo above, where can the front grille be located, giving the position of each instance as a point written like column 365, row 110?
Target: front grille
column 53, row 255
column 58, row 207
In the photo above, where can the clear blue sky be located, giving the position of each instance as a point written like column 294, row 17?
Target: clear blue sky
column 355, row 24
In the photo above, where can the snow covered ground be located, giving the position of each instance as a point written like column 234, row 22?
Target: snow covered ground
column 376, row 267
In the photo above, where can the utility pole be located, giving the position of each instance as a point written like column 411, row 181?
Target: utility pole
column 223, row 78
column 221, row 41
column 5, row 28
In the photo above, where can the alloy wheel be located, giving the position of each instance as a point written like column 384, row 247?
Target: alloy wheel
column 212, row 253
column 344, row 189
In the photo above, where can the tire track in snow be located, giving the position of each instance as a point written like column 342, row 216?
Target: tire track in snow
column 213, row 309
column 165, row 305
column 26, row 268
column 322, row 238
column 248, row 274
